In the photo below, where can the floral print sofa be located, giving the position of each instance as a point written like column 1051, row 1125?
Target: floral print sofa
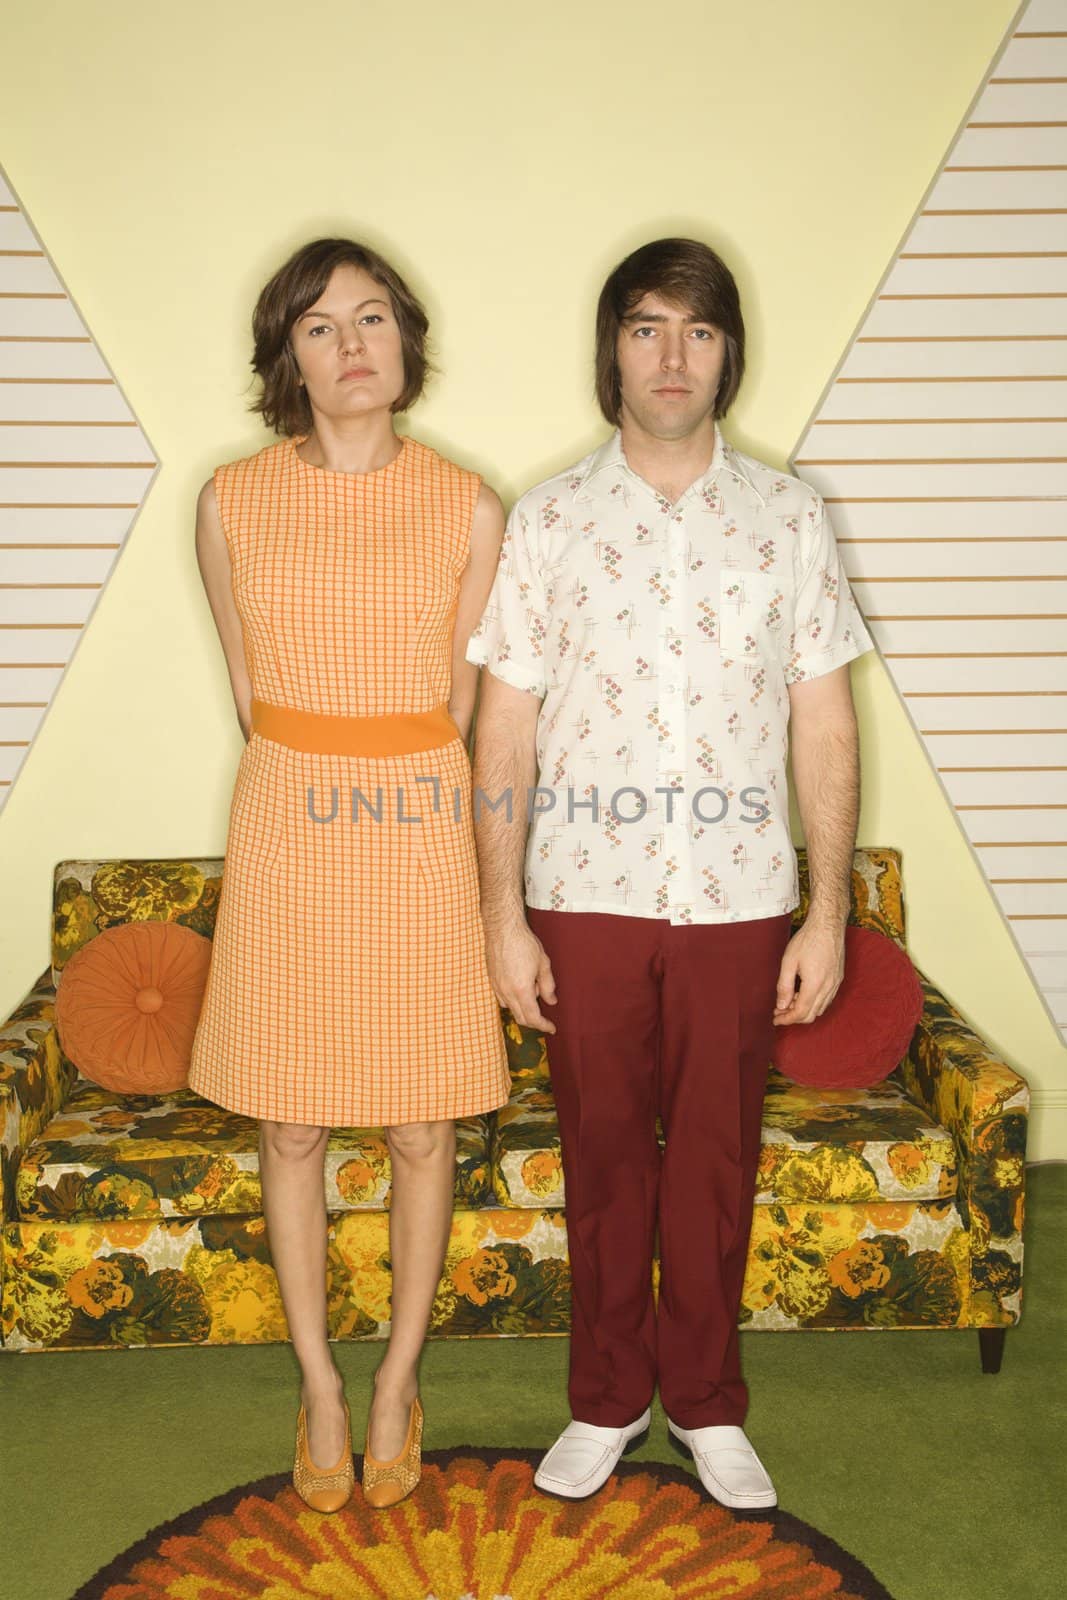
column 137, row 1220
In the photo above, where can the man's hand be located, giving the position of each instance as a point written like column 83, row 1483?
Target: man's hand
column 815, row 953
column 521, row 974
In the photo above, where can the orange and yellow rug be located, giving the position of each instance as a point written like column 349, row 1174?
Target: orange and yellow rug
column 477, row 1529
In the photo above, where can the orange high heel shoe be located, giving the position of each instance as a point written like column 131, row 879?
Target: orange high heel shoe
column 387, row 1482
column 323, row 1491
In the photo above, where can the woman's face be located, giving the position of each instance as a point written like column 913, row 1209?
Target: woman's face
column 348, row 347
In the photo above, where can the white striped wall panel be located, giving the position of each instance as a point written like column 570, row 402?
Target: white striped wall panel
column 940, row 446
column 75, row 467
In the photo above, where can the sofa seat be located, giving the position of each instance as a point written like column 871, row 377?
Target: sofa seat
column 133, row 1222
column 829, row 1146
column 108, row 1156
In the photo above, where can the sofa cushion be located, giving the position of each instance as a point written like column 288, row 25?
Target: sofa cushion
column 841, row 1145
column 128, row 1004
column 866, row 1029
column 108, row 1155
column 851, row 1145
column 526, row 1169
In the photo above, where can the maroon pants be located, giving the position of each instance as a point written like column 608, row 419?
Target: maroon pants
column 676, row 1021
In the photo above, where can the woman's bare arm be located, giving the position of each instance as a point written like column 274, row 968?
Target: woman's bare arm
column 487, row 535
column 213, row 557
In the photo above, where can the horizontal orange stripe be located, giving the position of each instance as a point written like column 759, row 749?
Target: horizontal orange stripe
column 997, row 211
column 1000, row 294
column 971, row 577
column 934, row 499
column 926, row 461
column 971, row 616
column 326, row 734
column 28, row 422
column 1006, row 377
column 964, row 538
column 972, row 655
column 959, row 338
column 69, row 505
column 860, row 422
column 977, row 694
column 980, row 255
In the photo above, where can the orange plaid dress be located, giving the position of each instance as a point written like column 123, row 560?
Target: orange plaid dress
column 348, row 981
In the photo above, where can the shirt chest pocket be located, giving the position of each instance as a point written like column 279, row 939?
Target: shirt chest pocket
column 754, row 614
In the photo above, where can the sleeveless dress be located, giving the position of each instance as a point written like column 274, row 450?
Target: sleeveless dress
column 348, row 982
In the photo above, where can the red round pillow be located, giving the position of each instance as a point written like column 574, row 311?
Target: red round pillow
column 127, row 1005
column 867, row 1027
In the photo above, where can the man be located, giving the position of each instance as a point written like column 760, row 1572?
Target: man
column 661, row 611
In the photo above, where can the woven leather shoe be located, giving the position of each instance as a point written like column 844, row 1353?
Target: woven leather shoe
column 323, row 1489
column 584, row 1456
column 729, row 1468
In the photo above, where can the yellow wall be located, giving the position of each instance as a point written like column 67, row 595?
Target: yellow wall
column 171, row 156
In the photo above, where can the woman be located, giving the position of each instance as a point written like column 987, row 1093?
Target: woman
column 346, row 568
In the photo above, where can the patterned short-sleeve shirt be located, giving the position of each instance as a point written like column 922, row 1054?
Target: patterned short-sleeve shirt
column 662, row 639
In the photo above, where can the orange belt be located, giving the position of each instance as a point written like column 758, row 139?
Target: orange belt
column 404, row 733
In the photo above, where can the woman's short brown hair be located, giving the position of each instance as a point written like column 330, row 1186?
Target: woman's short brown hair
column 292, row 290
column 687, row 274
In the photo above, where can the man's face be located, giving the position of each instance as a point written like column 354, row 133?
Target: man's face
column 669, row 367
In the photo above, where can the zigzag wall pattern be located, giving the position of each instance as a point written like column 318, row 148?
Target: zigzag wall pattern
column 940, row 446
column 75, row 468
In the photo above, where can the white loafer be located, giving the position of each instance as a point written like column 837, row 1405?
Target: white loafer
column 729, row 1468
column 584, row 1456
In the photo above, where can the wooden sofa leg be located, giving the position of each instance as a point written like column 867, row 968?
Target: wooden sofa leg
column 991, row 1344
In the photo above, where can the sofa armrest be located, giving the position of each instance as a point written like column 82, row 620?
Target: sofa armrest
column 984, row 1103
column 35, row 1081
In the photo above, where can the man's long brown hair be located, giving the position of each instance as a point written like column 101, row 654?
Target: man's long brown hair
column 687, row 274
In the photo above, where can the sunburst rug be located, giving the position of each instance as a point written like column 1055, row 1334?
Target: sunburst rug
column 477, row 1529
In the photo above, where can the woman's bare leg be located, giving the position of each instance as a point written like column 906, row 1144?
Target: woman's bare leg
column 291, row 1158
column 423, row 1156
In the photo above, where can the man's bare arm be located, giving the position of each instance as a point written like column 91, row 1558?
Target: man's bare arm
column 826, row 775
column 505, row 768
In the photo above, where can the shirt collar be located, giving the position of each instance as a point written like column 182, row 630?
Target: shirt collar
column 724, row 458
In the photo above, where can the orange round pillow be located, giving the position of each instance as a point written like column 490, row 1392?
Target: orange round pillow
column 127, row 1005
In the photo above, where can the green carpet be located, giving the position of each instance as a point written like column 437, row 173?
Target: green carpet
column 948, row 1484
